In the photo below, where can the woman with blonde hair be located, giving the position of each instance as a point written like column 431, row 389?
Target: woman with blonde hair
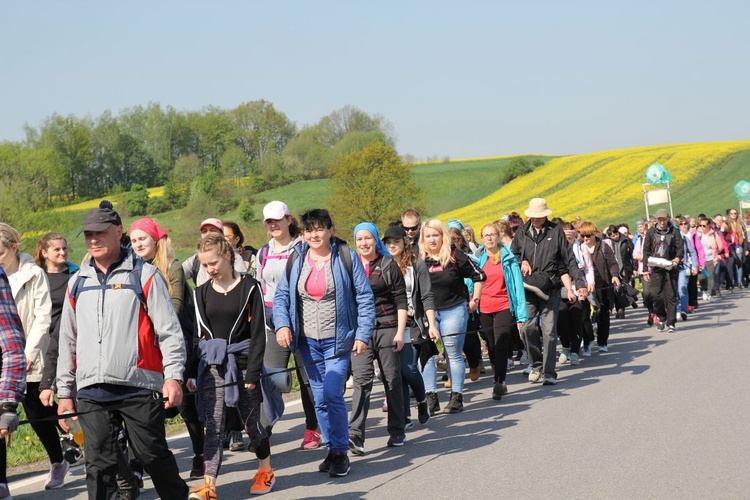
column 447, row 268
column 30, row 289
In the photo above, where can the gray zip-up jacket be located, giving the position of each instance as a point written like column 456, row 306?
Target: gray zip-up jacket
column 108, row 337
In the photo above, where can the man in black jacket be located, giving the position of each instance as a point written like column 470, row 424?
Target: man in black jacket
column 545, row 256
column 664, row 246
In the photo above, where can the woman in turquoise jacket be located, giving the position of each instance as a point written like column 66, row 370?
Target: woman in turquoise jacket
column 502, row 304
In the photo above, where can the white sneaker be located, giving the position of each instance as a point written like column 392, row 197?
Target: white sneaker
column 511, row 364
column 56, row 476
column 527, row 370
column 535, row 376
column 350, row 383
column 586, row 352
column 705, row 296
column 603, row 348
column 564, row 358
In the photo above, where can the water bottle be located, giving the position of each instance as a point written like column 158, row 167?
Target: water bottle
column 75, row 429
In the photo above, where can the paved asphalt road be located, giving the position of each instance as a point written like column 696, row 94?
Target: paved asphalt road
column 659, row 416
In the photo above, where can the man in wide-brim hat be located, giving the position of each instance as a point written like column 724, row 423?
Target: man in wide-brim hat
column 547, row 261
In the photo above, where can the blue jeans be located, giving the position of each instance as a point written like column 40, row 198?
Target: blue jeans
column 410, row 376
column 449, row 321
column 682, row 290
column 429, row 375
column 327, row 380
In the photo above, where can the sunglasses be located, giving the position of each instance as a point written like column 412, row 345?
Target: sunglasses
column 703, row 225
column 683, row 223
column 587, row 235
column 411, row 228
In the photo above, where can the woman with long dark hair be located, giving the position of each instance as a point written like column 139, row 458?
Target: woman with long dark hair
column 421, row 333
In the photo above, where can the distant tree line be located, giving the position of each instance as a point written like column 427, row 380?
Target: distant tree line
column 200, row 156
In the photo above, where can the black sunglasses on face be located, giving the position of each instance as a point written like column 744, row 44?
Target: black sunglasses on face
column 411, row 228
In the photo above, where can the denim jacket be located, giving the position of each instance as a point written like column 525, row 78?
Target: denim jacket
column 355, row 304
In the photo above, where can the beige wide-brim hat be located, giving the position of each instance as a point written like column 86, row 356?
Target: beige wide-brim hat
column 538, row 208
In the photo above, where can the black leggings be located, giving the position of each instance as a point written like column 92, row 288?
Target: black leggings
column 46, row 430
column 498, row 328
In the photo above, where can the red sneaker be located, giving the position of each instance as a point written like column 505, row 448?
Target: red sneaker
column 311, row 441
column 650, row 320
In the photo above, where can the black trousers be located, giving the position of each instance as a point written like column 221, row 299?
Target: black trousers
column 472, row 344
column 570, row 324
column 46, row 430
column 602, row 321
column 587, row 329
column 498, row 328
column 145, row 424
column 664, row 292
column 693, row 291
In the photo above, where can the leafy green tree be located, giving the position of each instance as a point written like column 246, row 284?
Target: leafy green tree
column 214, row 130
column 305, row 156
column 261, row 130
column 153, row 131
column 246, row 211
column 135, row 201
column 373, row 185
column 516, row 168
column 338, row 123
column 71, row 138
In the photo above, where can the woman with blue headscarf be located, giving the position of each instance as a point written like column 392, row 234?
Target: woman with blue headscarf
column 391, row 311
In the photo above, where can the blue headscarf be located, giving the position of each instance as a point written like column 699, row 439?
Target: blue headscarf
column 455, row 223
column 373, row 230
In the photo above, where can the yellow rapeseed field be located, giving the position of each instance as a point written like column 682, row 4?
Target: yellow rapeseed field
column 596, row 185
column 153, row 192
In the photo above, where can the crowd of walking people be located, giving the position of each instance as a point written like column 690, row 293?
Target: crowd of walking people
column 125, row 341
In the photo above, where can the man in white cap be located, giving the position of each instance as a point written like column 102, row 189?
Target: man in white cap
column 547, row 262
column 192, row 266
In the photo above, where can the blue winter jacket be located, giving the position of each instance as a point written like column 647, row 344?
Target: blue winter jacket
column 513, row 280
column 355, row 305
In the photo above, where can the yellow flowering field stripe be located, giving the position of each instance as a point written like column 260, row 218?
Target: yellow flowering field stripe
column 597, row 186
column 153, row 192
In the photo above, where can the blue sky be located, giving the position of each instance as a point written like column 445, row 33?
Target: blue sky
column 458, row 79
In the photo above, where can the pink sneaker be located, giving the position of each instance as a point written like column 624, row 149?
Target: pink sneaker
column 311, row 441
